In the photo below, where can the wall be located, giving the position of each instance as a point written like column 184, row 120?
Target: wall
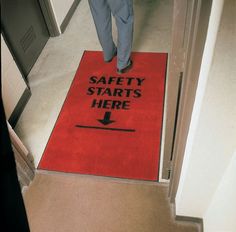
column 61, row 8
column 220, row 215
column 207, row 171
column 13, row 85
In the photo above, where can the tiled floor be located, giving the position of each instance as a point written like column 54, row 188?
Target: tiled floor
column 53, row 72
column 71, row 203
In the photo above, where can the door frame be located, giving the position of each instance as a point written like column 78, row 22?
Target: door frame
column 190, row 59
column 49, row 17
column 179, row 45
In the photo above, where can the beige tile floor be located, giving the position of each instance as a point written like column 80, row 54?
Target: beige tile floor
column 53, row 72
column 70, row 203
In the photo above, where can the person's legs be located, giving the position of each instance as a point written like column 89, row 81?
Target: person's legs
column 122, row 10
column 102, row 19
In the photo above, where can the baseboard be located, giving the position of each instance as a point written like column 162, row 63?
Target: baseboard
column 19, row 107
column 69, row 15
column 197, row 220
column 190, row 219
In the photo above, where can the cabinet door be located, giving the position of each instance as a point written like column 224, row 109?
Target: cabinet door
column 25, row 31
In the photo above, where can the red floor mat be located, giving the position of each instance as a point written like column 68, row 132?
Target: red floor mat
column 110, row 124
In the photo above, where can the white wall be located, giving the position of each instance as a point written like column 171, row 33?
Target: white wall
column 208, row 162
column 13, row 85
column 220, row 215
column 61, row 8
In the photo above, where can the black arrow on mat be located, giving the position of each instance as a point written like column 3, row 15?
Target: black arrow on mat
column 106, row 119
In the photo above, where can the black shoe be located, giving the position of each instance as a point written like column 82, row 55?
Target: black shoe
column 115, row 54
column 126, row 69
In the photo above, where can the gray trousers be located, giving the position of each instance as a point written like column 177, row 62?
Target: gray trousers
column 122, row 10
